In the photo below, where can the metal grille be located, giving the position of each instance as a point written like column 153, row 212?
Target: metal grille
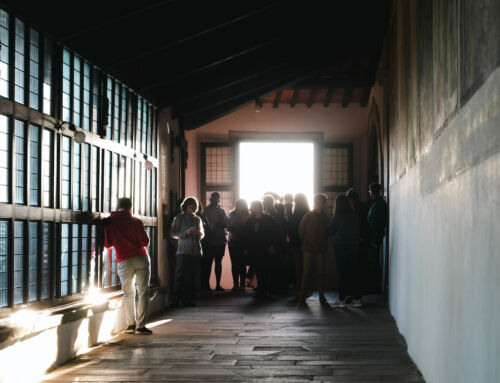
column 336, row 167
column 218, row 165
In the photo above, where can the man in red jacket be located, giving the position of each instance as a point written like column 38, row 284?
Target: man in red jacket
column 130, row 240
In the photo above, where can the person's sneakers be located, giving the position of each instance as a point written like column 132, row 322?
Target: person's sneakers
column 339, row 305
column 130, row 329
column 143, row 331
column 357, row 303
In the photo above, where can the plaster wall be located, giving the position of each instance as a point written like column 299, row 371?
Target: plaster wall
column 441, row 102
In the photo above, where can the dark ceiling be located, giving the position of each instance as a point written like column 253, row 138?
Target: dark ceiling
column 205, row 58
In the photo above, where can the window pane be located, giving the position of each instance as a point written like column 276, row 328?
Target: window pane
column 86, row 97
column 48, row 167
column 64, row 258
column 34, row 69
column 116, row 112
column 4, row 158
column 34, row 165
column 77, row 63
column 66, row 173
column 109, row 95
column 19, row 158
column 107, row 181
column 47, row 77
column 86, row 177
column 66, row 86
column 4, row 263
column 145, row 107
column 85, row 257
column 4, row 56
column 115, row 181
column 75, row 254
column 123, row 117
column 33, row 261
column 19, row 62
column 76, row 175
column 46, row 246
column 139, row 125
column 18, row 261
column 95, row 180
column 95, row 100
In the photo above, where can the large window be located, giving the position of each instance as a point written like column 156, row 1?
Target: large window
column 48, row 175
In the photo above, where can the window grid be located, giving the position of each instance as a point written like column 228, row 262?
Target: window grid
column 123, row 109
column 75, row 255
column 95, row 180
column 218, row 165
column 4, row 53
column 107, row 181
column 33, row 262
column 115, row 180
column 18, row 262
column 19, row 158
column 77, row 173
column 138, row 144
column 64, row 259
column 336, row 167
column 66, row 173
column 84, row 257
column 47, row 77
column 145, row 127
column 144, row 182
column 4, row 159
column 19, row 52
column 85, row 176
column 34, row 165
column 66, row 85
column 45, row 264
column 48, row 167
column 109, row 95
column 34, row 55
column 86, row 97
column 148, row 191
column 116, row 111
column 77, row 81
column 96, row 91
column 4, row 263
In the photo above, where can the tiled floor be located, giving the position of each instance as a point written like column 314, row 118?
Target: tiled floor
column 230, row 337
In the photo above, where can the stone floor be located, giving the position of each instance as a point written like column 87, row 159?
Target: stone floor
column 230, row 337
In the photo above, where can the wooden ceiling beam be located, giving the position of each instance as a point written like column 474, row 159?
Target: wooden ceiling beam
column 328, row 98
column 365, row 97
column 347, row 97
column 312, row 95
column 277, row 99
column 295, row 97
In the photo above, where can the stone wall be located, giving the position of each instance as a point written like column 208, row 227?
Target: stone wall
column 440, row 98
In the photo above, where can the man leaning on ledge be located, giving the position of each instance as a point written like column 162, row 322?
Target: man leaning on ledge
column 128, row 236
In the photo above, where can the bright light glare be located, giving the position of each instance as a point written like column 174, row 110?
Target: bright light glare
column 158, row 323
column 278, row 167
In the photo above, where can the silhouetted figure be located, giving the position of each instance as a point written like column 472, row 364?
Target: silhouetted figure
column 206, row 238
column 313, row 231
column 188, row 229
column 260, row 245
column 361, row 208
column 275, row 209
column 237, row 219
column 216, row 247
column 377, row 220
column 128, row 236
column 345, row 229
column 289, row 269
column 300, row 209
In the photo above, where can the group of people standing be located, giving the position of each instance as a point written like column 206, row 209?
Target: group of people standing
column 283, row 243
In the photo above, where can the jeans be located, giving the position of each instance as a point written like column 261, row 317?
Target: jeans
column 346, row 257
column 134, row 272
column 214, row 253
column 238, row 267
column 187, row 267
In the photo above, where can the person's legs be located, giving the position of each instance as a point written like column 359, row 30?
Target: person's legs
column 142, row 276
column 208, row 259
column 355, row 286
column 190, row 271
column 179, row 278
column 233, row 250
column 219, row 254
column 374, row 259
column 320, row 274
column 305, row 286
column 298, row 267
column 342, row 267
column 126, row 274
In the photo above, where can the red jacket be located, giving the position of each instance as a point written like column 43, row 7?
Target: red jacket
column 126, row 234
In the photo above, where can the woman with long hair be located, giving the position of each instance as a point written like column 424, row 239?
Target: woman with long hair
column 237, row 218
column 344, row 227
